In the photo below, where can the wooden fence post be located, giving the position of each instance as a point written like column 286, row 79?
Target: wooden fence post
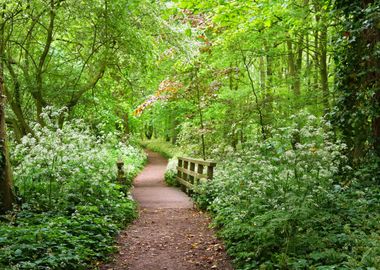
column 210, row 172
column 180, row 165
column 121, row 178
column 199, row 171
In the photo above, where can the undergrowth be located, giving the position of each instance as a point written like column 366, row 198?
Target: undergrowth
column 69, row 204
column 283, row 204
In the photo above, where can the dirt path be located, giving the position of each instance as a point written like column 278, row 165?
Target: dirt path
column 169, row 234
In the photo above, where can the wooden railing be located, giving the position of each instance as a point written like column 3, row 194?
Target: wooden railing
column 190, row 171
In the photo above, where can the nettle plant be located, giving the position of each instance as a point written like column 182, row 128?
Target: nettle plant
column 265, row 196
column 65, row 166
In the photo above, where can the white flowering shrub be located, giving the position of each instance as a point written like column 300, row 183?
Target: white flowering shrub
column 277, row 203
column 171, row 172
column 71, row 206
column 59, row 166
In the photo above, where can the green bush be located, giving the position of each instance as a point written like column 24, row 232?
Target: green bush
column 71, row 206
column 281, row 205
column 62, row 167
column 51, row 241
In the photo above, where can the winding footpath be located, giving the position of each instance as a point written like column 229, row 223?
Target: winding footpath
column 169, row 233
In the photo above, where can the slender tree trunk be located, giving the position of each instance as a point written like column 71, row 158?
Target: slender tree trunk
column 295, row 65
column 376, row 124
column 291, row 65
column 323, row 70
column 321, row 75
column 200, row 111
column 297, row 83
column 6, row 181
column 269, row 82
column 316, row 55
column 262, row 74
column 258, row 105
column 15, row 102
column 174, row 123
column 269, row 74
column 308, row 66
column 266, row 72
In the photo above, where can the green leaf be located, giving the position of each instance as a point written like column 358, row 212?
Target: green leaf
column 188, row 32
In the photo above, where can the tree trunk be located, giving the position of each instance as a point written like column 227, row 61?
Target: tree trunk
column 358, row 79
column 316, row 56
column 269, row 82
column 6, row 181
column 200, row 112
column 262, row 75
column 15, row 102
column 323, row 70
column 376, row 125
column 297, row 83
column 291, row 66
column 295, row 66
column 258, row 105
column 308, row 65
column 174, row 129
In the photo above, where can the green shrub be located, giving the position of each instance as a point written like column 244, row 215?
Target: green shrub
column 72, row 206
column 281, row 205
column 62, row 167
column 51, row 241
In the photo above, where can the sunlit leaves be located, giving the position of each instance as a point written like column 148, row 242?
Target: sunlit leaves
column 166, row 90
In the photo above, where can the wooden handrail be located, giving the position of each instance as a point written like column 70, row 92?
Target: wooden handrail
column 190, row 171
column 199, row 161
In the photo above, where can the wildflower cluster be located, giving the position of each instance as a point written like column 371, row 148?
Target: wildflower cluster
column 70, row 204
column 53, row 163
column 281, row 205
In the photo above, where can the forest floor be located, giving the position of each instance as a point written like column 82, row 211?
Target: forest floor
column 170, row 234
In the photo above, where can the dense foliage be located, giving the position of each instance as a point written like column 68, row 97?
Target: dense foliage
column 225, row 80
column 357, row 111
column 284, row 207
column 71, row 206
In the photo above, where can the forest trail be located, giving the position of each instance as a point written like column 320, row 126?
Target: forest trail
column 169, row 233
